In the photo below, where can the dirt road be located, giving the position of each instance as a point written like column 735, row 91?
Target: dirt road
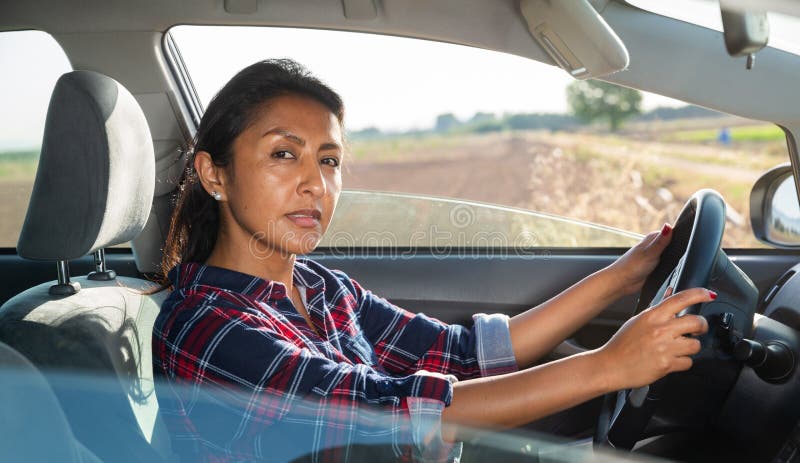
column 15, row 196
column 492, row 169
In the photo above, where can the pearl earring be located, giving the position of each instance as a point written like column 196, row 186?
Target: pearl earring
column 216, row 195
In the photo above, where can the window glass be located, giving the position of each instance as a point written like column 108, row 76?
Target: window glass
column 31, row 61
column 436, row 127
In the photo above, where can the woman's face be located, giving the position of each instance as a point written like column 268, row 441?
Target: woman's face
column 281, row 188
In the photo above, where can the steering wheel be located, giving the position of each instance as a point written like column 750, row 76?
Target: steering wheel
column 687, row 262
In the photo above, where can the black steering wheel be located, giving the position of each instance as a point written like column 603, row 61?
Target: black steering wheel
column 687, row 262
column 689, row 259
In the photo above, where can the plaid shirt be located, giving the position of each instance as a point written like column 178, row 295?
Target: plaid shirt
column 244, row 377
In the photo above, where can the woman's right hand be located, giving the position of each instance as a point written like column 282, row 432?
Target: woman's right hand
column 652, row 344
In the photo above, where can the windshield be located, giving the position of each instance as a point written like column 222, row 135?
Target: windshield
column 440, row 120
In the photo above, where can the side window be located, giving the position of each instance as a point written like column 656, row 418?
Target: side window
column 458, row 147
column 31, row 61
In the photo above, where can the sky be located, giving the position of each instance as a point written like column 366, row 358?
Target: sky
column 31, row 62
column 392, row 83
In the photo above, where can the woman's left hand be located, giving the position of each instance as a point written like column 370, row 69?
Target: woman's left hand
column 632, row 268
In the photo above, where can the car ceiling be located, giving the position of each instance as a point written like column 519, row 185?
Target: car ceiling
column 488, row 24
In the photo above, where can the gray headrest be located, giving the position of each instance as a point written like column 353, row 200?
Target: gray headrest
column 94, row 186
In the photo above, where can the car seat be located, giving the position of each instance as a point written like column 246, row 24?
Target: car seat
column 31, row 411
column 91, row 336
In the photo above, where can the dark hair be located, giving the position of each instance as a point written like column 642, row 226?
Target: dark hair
column 195, row 219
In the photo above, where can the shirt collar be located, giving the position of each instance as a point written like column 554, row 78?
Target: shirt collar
column 193, row 274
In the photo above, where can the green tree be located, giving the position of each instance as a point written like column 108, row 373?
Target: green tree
column 597, row 100
column 446, row 122
column 481, row 117
column 366, row 133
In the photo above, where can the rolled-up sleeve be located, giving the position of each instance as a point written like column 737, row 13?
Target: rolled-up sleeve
column 494, row 351
column 426, row 429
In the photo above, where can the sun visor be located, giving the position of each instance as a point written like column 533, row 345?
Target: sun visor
column 577, row 38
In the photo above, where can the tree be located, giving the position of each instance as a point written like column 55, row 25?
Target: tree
column 484, row 123
column 597, row 100
column 481, row 117
column 366, row 133
column 530, row 121
column 446, row 122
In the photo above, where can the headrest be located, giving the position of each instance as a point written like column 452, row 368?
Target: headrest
column 96, row 176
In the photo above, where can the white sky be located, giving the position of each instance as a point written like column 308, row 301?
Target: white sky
column 389, row 82
column 31, row 62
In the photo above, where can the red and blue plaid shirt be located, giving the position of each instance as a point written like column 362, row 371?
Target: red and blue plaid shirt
column 244, row 377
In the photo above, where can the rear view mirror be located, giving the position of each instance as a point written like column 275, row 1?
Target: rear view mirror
column 774, row 208
column 745, row 32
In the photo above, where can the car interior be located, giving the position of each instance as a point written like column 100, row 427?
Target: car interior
column 114, row 148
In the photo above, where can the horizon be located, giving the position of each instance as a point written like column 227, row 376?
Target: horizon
column 388, row 132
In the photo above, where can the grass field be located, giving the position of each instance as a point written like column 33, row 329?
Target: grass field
column 744, row 134
column 635, row 180
column 18, row 165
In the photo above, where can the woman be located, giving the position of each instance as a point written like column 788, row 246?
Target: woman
column 260, row 189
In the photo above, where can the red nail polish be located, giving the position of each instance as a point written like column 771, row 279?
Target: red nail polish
column 712, row 294
column 665, row 231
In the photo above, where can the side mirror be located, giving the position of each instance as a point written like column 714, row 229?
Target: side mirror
column 774, row 208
